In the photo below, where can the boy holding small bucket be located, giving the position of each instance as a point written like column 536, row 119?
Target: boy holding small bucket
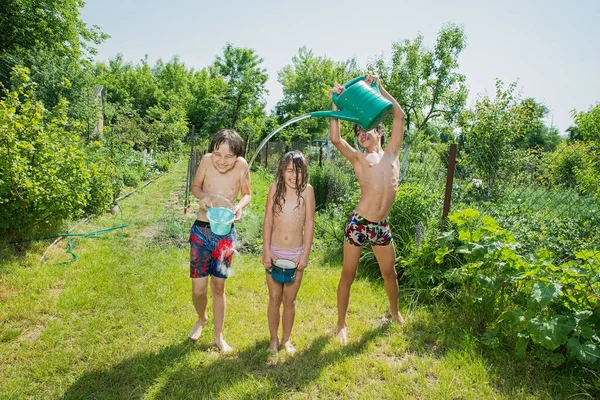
column 287, row 239
column 220, row 178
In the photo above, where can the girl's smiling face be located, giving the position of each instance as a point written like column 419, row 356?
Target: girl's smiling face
column 289, row 175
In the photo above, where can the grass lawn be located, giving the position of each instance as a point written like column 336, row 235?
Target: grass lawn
column 114, row 324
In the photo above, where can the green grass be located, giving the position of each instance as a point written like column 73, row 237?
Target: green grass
column 114, row 324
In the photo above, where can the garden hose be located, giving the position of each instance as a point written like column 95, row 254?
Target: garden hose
column 74, row 238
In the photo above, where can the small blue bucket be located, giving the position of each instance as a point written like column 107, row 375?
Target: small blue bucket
column 283, row 271
column 220, row 219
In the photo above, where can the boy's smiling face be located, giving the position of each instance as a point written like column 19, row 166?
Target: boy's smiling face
column 223, row 158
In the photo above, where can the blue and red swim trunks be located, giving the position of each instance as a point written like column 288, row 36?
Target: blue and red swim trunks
column 360, row 230
column 210, row 254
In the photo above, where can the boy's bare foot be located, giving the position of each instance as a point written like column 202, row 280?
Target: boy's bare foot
column 274, row 346
column 289, row 347
column 197, row 329
column 342, row 336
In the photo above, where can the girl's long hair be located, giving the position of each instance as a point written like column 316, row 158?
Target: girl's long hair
column 300, row 167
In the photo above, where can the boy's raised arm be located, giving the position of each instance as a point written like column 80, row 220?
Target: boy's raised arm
column 334, row 130
column 397, row 134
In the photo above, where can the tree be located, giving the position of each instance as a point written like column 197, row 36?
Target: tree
column 49, row 38
column 207, row 89
column 530, row 129
column 306, row 83
column 245, row 78
column 487, row 131
column 588, row 124
column 574, row 134
column 425, row 82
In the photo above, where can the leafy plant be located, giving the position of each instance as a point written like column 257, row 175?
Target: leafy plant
column 530, row 301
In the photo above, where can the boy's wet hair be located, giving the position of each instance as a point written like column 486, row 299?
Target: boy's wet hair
column 232, row 138
column 300, row 165
column 379, row 128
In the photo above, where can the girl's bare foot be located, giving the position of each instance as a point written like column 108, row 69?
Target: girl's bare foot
column 223, row 346
column 274, row 346
column 342, row 336
column 289, row 347
column 197, row 329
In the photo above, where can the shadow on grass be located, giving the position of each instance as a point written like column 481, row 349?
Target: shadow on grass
column 132, row 378
column 275, row 379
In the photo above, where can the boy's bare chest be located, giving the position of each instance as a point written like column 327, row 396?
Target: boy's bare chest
column 227, row 185
column 374, row 166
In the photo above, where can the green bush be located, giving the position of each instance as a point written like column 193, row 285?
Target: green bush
column 561, row 166
column 411, row 212
column 100, row 190
column 43, row 170
column 330, row 224
column 332, row 183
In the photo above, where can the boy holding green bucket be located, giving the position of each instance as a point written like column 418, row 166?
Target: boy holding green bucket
column 287, row 239
column 377, row 171
column 220, row 178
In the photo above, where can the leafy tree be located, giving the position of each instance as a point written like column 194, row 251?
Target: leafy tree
column 574, row 133
column 245, row 78
column 425, row 82
column 531, row 131
column 51, row 40
column 487, row 130
column 207, row 89
column 306, row 83
column 588, row 123
column 146, row 106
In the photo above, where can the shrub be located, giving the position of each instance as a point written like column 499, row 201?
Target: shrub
column 410, row 213
column 332, row 183
column 42, row 168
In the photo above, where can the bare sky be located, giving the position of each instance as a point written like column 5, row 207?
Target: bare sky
column 551, row 48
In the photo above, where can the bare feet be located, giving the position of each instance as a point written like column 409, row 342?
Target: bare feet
column 342, row 336
column 223, row 346
column 398, row 318
column 289, row 347
column 197, row 329
column 274, row 346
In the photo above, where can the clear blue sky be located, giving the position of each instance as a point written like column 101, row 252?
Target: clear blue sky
column 551, row 48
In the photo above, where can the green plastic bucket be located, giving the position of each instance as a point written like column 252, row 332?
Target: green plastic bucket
column 283, row 271
column 220, row 219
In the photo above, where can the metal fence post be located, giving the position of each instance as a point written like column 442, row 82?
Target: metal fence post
column 449, row 180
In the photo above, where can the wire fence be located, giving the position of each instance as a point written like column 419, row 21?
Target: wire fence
column 532, row 193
